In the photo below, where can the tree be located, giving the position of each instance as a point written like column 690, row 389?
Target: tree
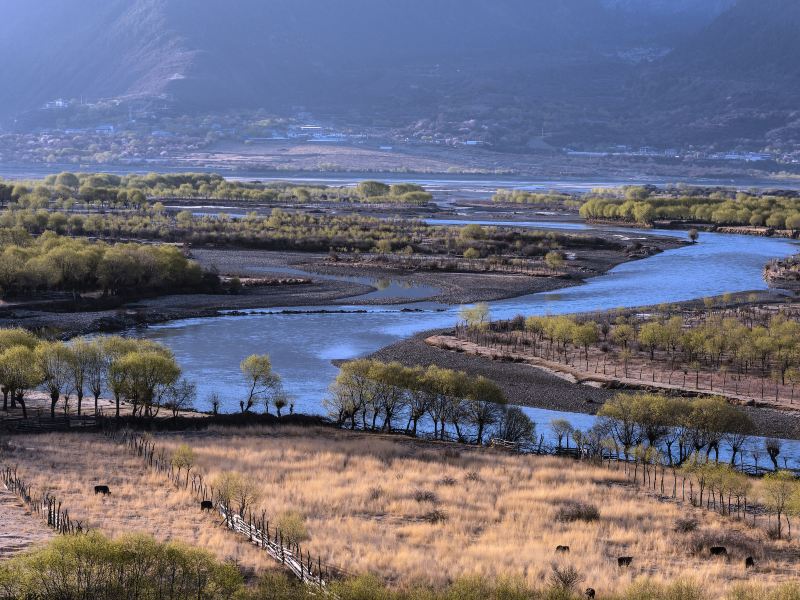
column 183, row 458
column 10, row 338
column 622, row 422
column 82, row 356
column 19, row 372
column 561, row 429
column 351, row 391
column 516, row 427
column 773, row 448
column 54, row 360
column 484, row 406
column 149, row 374
column 554, row 260
column 477, row 316
column 97, row 365
column 261, row 381
column 779, row 487
column 181, row 396
column 372, row 189
column 238, row 491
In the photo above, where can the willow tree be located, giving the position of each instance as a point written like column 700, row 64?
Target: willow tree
column 54, row 361
column 19, row 373
column 11, row 338
column 260, row 378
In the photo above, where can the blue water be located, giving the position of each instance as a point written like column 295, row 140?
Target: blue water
column 302, row 345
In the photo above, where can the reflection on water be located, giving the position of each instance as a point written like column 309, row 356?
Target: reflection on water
column 302, row 346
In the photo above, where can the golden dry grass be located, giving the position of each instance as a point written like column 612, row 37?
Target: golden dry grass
column 367, row 508
column 142, row 500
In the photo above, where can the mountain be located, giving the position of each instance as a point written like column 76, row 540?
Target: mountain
column 588, row 71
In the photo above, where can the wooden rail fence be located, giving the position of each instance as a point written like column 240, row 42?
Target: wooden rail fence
column 257, row 529
column 46, row 504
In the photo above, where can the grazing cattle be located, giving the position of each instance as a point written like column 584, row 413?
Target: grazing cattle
column 562, row 549
column 102, row 489
column 749, row 563
column 624, row 561
column 206, row 505
column 589, row 593
column 718, row 551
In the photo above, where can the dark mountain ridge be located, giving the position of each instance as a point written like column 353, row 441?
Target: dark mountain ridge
column 595, row 70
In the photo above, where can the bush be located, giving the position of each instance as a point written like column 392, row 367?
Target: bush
column 293, row 527
column 685, row 525
column 425, row 496
column 133, row 567
column 566, row 578
column 578, row 511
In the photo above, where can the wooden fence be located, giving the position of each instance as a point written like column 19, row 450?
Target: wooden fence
column 45, row 504
column 257, row 529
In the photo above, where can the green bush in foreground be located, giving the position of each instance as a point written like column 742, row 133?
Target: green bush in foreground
column 131, row 567
column 136, row 567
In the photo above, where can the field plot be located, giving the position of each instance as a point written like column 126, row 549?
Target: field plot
column 407, row 510
column 141, row 501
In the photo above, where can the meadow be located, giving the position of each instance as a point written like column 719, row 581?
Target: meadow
column 407, row 510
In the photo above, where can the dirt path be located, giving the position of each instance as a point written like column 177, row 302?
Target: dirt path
column 19, row 529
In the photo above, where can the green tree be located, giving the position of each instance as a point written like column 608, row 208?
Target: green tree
column 261, row 380
column 54, row 361
column 779, row 488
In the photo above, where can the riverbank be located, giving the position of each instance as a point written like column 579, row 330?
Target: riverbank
column 538, row 386
column 332, row 284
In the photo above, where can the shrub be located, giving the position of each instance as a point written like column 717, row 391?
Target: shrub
column 293, row 527
column 133, row 567
column 685, row 524
column 473, row 476
column 578, row 511
column 436, row 516
column 565, row 578
column 425, row 496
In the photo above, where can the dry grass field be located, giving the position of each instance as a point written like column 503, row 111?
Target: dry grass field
column 407, row 510
column 141, row 500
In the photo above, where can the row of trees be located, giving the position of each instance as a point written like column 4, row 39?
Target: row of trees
column 142, row 372
column 764, row 344
column 135, row 191
column 53, row 262
column 777, row 212
column 678, row 427
column 304, row 231
column 372, row 395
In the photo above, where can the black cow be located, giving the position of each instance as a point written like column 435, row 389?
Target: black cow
column 624, row 561
column 589, row 593
column 102, row 489
column 206, row 505
column 718, row 551
column 562, row 549
column 749, row 563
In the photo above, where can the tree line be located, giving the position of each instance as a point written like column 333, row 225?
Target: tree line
column 744, row 342
column 143, row 373
column 52, row 262
column 130, row 191
column 645, row 205
column 302, row 231
column 374, row 395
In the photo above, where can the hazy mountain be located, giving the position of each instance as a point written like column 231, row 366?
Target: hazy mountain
column 589, row 70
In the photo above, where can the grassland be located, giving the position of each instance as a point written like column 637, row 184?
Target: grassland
column 406, row 510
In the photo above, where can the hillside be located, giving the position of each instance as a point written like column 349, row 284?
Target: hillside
column 589, row 71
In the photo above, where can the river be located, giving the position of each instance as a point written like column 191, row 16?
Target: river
column 303, row 341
